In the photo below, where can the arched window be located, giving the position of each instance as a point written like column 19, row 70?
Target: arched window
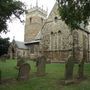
column 55, row 18
column 59, row 32
column 59, row 42
column 42, row 20
column 75, row 44
column 51, row 33
column 85, row 47
column 30, row 19
column 55, row 40
column 75, row 38
column 51, row 41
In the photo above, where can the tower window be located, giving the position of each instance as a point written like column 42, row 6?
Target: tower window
column 30, row 19
column 42, row 20
column 55, row 18
column 51, row 33
column 59, row 31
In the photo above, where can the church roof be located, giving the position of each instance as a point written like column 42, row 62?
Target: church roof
column 20, row 45
column 38, row 36
column 32, row 42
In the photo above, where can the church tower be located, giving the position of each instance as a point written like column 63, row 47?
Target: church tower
column 35, row 18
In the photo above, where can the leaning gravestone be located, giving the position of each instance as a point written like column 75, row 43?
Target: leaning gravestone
column 24, row 72
column 41, row 65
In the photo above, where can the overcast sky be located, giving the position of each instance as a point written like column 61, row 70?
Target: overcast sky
column 16, row 28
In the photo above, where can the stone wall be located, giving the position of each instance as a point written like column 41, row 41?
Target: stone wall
column 57, row 38
column 22, row 53
column 57, row 56
column 33, row 51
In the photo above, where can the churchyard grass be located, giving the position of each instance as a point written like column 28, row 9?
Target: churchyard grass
column 52, row 80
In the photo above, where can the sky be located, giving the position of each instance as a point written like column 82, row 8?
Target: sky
column 16, row 28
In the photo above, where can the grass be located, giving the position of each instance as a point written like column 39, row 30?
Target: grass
column 55, row 73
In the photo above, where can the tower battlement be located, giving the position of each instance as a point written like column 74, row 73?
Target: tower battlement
column 37, row 9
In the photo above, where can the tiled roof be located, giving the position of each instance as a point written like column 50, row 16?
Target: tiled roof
column 20, row 45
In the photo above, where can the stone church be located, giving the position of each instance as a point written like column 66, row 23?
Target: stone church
column 50, row 36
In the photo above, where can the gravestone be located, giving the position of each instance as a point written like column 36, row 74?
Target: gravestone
column 41, row 65
column 69, row 65
column 24, row 72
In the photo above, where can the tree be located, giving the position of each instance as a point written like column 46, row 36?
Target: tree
column 4, row 44
column 74, row 13
column 7, row 9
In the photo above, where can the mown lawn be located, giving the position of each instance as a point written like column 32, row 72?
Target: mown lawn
column 52, row 80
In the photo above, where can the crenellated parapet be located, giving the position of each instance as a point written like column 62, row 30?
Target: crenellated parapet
column 39, row 9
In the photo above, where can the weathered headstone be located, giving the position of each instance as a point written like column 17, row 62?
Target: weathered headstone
column 41, row 65
column 69, row 68
column 81, row 69
column 24, row 72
